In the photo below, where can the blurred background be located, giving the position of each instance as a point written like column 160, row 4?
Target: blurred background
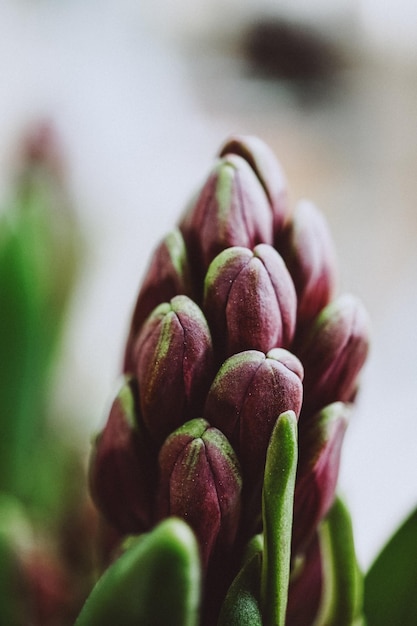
column 140, row 95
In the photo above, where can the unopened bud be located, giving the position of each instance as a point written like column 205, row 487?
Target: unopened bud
column 268, row 170
column 200, row 481
column 174, row 365
column 334, row 352
column 308, row 251
column 320, row 443
column 121, row 470
column 248, row 394
column 168, row 275
column 250, row 300
column 232, row 210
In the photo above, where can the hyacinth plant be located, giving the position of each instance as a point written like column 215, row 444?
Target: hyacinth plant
column 216, row 472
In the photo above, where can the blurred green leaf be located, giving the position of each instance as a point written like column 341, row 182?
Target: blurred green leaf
column 155, row 582
column 38, row 262
column 241, row 606
column 15, row 535
column 391, row 582
column 343, row 580
column 19, row 366
column 11, row 606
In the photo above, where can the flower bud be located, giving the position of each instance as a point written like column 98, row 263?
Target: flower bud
column 232, row 210
column 333, row 353
column 174, row 365
column 168, row 275
column 250, row 300
column 248, row 394
column 307, row 248
column 121, row 472
column 320, row 443
column 200, row 482
column 268, row 170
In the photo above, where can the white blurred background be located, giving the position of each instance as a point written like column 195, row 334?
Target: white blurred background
column 142, row 95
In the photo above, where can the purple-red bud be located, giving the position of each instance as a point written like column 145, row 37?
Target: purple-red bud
column 308, row 250
column 200, row 481
column 168, row 275
column 268, row 170
column 334, row 352
column 121, row 472
column 250, row 300
column 248, row 394
column 174, row 365
column 232, row 210
column 320, row 444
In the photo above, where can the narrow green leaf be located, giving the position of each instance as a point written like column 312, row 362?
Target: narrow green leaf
column 391, row 582
column 343, row 581
column 241, row 605
column 277, row 513
column 254, row 546
column 31, row 318
column 12, row 609
column 155, row 582
column 15, row 537
column 19, row 366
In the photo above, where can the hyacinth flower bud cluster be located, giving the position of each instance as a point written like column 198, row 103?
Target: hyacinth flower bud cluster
column 237, row 323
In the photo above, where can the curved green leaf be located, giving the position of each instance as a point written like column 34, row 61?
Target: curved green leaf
column 391, row 582
column 343, row 581
column 241, row 605
column 277, row 514
column 154, row 583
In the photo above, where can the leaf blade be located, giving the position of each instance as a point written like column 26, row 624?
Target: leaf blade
column 391, row 582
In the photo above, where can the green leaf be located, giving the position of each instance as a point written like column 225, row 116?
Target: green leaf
column 254, row 546
column 38, row 261
column 15, row 537
column 277, row 513
column 155, row 582
column 19, row 366
column 342, row 578
column 391, row 582
column 241, row 606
